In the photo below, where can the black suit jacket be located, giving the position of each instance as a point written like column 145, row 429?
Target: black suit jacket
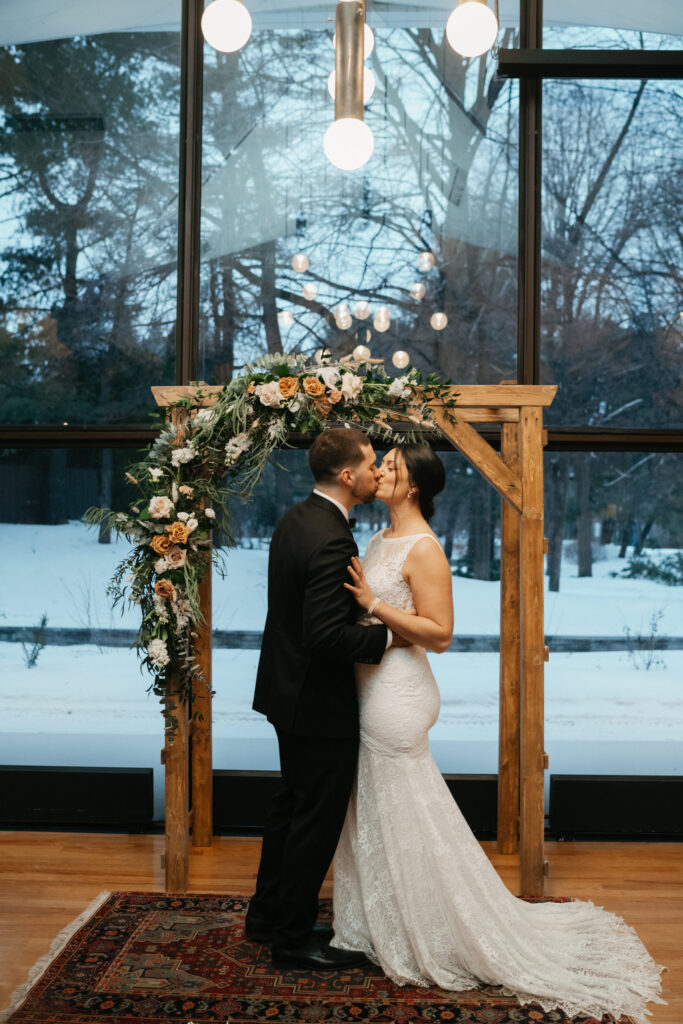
column 305, row 683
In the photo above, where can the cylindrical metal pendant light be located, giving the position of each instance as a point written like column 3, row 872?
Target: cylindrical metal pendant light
column 348, row 141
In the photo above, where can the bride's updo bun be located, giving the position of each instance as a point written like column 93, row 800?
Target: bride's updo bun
column 426, row 473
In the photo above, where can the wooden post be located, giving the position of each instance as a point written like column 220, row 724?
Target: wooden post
column 532, row 652
column 175, row 758
column 202, row 773
column 509, row 720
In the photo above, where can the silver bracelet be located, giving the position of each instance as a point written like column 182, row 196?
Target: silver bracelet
column 374, row 605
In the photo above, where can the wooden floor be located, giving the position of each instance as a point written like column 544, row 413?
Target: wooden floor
column 47, row 879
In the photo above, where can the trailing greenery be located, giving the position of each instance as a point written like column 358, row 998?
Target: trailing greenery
column 207, row 456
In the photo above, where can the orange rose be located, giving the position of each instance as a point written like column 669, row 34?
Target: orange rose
column 288, row 387
column 335, row 396
column 161, row 544
column 165, row 589
column 313, row 387
column 178, row 533
column 252, row 388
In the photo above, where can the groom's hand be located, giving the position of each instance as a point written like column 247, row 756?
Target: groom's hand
column 400, row 641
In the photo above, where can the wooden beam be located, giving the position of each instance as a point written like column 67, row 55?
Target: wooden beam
column 531, row 654
column 200, row 727
column 482, row 456
column 176, row 798
column 509, row 723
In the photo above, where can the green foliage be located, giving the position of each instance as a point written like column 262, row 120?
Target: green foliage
column 668, row 570
column 37, row 642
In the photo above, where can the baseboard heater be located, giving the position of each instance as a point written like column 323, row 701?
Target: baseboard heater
column 241, row 800
column 644, row 806
column 70, row 796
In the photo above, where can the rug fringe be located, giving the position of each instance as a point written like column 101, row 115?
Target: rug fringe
column 40, row 966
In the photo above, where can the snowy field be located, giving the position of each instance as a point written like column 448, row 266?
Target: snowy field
column 605, row 711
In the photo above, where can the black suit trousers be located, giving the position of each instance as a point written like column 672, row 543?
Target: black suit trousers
column 302, row 832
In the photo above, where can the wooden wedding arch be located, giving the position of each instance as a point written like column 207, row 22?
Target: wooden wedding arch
column 517, row 475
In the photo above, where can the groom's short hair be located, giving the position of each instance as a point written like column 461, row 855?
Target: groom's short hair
column 336, row 449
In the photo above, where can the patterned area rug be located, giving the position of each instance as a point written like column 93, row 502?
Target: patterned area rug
column 145, row 958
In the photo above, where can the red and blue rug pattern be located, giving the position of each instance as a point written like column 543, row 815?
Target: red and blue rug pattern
column 145, row 958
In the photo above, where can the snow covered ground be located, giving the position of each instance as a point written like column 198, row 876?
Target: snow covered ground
column 604, row 711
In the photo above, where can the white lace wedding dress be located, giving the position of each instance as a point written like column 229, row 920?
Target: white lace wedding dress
column 412, row 887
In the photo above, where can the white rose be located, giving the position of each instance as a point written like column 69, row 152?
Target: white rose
column 295, row 405
column 331, row 376
column 236, row 446
column 209, row 513
column 155, row 473
column 158, row 652
column 181, row 455
column 269, row 394
column 161, row 565
column 192, row 524
column 351, row 387
column 398, row 388
column 183, row 516
column 160, row 507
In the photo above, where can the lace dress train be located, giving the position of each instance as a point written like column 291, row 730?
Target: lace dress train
column 412, row 887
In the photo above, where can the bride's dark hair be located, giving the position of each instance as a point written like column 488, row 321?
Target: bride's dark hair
column 426, row 472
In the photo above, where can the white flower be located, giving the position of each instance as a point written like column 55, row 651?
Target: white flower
column 398, row 388
column 295, row 405
column 274, row 429
column 269, row 394
column 183, row 516
column 161, row 565
column 204, row 415
column 209, row 513
column 160, row 507
column 331, row 375
column 180, row 455
column 155, row 473
column 160, row 609
column 158, row 652
column 192, row 524
column 174, row 492
column 236, row 446
column 351, row 387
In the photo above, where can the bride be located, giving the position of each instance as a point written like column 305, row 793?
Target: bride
column 413, row 889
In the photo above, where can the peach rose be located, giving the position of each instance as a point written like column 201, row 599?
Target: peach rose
column 161, row 544
column 185, row 489
column 288, row 387
column 323, row 406
column 165, row 589
column 335, row 396
column 178, row 532
column 252, row 387
column 160, row 507
column 176, row 557
column 313, row 387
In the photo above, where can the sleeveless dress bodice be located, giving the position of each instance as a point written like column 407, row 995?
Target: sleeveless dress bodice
column 413, row 889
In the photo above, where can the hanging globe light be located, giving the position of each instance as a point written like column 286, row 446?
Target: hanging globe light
column 342, row 310
column 361, row 310
column 310, row 290
column 300, row 263
column 285, row 318
column 368, row 41
column 361, row 353
column 471, row 28
column 400, row 359
column 381, row 325
column 417, row 291
column 348, row 143
column 343, row 322
column 425, row 261
column 226, row 25
column 383, row 314
column 368, row 85
column 438, row 321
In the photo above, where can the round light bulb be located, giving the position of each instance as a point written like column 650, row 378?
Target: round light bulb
column 383, row 314
column 417, row 291
column 438, row 321
column 342, row 310
column 343, row 321
column 381, row 325
column 400, row 359
column 361, row 310
column 348, row 143
column 361, row 353
column 471, row 28
column 285, row 318
column 425, row 261
column 368, row 41
column 310, row 290
column 368, row 85
column 226, row 25
column 300, row 263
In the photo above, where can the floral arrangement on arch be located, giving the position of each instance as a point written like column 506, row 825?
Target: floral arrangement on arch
column 206, row 456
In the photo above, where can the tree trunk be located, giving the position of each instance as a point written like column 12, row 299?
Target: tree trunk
column 273, row 339
column 584, row 522
column 557, row 507
column 105, row 493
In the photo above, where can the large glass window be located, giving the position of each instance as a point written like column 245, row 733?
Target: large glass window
column 88, row 207
column 612, row 327
column 442, row 180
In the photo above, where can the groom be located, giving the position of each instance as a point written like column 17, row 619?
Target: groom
column 305, row 686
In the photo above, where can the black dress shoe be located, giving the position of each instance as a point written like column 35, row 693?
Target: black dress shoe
column 311, row 956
